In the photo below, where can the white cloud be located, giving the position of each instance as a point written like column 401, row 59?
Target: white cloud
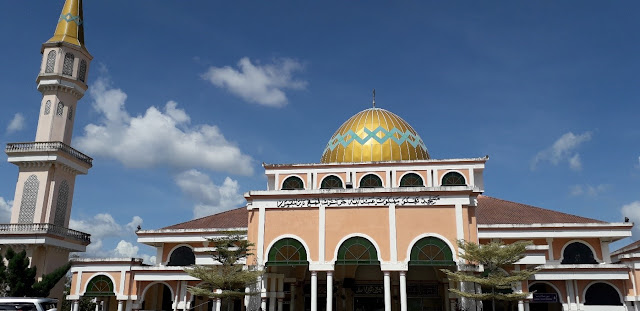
column 588, row 190
column 210, row 198
column 157, row 137
column 563, row 149
column 632, row 210
column 16, row 124
column 261, row 84
column 102, row 227
column 5, row 211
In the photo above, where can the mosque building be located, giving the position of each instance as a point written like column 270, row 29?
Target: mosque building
column 367, row 228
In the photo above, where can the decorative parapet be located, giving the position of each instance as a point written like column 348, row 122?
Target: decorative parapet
column 47, row 146
column 20, row 229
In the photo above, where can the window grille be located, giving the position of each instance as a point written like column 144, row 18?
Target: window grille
column 82, row 70
column 67, row 66
column 331, row 182
column 70, row 113
column 60, row 109
column 370, row 181
column 61, row 204
column 287, row 252
column 51, row 62
column 29, row 199
column 47, row 107
column 411, row 180
column 100, row 285
column 357, row 251
column 431, row 251
column 292, row 183
column 453, row 179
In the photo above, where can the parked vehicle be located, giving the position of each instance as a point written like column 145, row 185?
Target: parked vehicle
column 28, row 304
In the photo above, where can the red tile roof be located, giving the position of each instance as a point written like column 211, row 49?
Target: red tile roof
column 492, row 211
column 489, row 211
column 235, row 218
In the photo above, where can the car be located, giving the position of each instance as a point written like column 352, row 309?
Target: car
column 28, row 304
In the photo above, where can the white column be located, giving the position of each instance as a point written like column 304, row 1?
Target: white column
column 272, row 294
column 120, row 305
column 314, row 290
column 329, row 290
column 387, row 291
column 97, row 305
column 403, row 291
column 292, row 305
column 218, row 304
column 577, row 293
column 75, row 305
column 263, row 304
column 520, row 305
column 261, row 223
column 280, row 304
column 459, row 222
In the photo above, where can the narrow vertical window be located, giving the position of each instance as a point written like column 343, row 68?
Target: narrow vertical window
column 29, row 199
column 67, row 66
column 51, row 62
column 61, row 204
column 70, row 114
column 60, row 109
column 82, row 71
column 47, row 107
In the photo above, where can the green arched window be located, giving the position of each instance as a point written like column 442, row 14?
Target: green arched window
column 357, row 251
column 431, row 251
column 371, row 181
column 287, row 252
column 411, row 180
column 100, row 285
column 453, row 179
column 331, row 182
column 293, row 183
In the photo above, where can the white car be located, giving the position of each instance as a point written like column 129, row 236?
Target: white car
column 28, row 304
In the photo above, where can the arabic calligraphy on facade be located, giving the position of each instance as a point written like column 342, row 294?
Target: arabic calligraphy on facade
column 366, row 201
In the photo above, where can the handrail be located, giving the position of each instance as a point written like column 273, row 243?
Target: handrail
column 48, row 146
column 45, row 229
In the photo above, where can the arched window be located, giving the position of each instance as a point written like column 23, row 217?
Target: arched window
column 61, row 204
column 82, row 70
column 578, row 253
column 287, row 252
column 60, row 109
column 357, row 251
column 292, row 183
column 100, row 286
column 29, row 199
column 453, row 179
column 67, row 66
column 411, row 180
column 70, row 113
column 431, row 251
column 331, row 182
column 371, row 181
column 51, row 62
column 602, row 294
column 182, row 256
column 47, row 107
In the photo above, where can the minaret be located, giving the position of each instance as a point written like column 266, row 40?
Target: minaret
column 49, row 165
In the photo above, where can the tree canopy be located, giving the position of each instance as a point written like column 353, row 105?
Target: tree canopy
column 17, row 279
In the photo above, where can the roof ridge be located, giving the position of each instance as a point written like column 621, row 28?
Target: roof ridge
column 541, row 208
column 195, row 219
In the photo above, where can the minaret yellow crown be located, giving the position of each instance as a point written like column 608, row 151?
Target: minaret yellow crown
column 70, row 27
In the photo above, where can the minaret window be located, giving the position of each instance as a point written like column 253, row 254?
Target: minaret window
column 51, row 62
column 29, row 199
column 60, row 108
column 371, row 181
column 70, row 114
column 82, row 71
column 411, row 180
column 61, row 204
column 67, row 66
column 47, row 107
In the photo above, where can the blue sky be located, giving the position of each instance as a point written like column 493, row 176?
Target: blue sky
column 548, row 89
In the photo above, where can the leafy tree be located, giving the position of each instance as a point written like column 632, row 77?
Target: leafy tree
column 228, row 280
column 496, row 258
column 18, row 280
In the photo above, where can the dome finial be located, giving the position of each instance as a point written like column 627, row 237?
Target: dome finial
column 374, row 98
column 70, row 27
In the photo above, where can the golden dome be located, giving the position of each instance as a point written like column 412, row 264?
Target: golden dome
column 374, row 135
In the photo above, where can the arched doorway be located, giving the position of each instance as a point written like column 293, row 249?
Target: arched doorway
column 158, row 297
column 287, row 258
column 360, row 279
column 602, row 296
column 545, row 298
column 101, row 288
column 426, row 285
